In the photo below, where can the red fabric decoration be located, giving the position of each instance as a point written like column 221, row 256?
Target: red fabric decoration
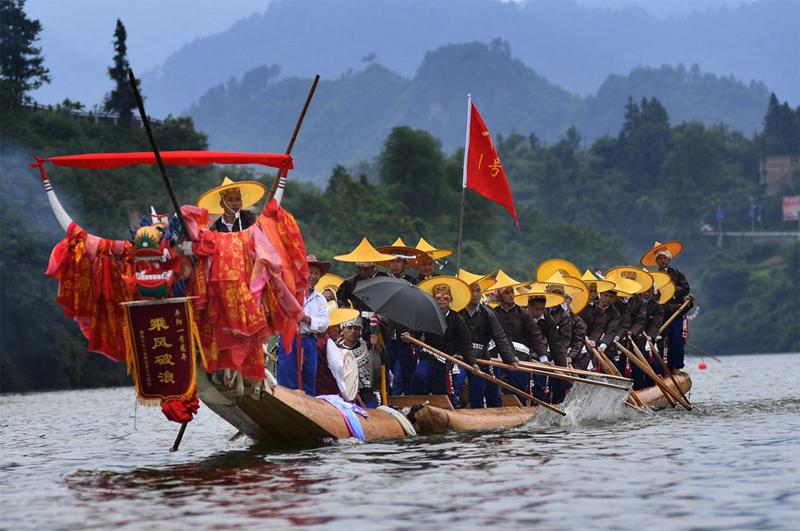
column 180, row 411
column 170, row 158
column 483, row 172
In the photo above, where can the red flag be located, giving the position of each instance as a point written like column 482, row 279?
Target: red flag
column 483, row 171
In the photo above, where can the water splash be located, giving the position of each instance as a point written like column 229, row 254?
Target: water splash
column 586, row 404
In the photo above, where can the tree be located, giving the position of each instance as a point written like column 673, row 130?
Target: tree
column 120, row 100
column 21, row 63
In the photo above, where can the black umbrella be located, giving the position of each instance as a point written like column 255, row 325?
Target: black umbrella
column 402, row 302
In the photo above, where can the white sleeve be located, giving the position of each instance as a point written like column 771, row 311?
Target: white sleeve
column 336, row 365
column 319, row 315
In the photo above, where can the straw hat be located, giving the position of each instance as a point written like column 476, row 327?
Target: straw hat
column 537, row 290
column 503, row 281
column 432, row 251
column 640, row 276
column 579, row 293
column 486, row 281
column 252, row 192
column 602, row 285
column 672, row 248
column 553, row 265
column 666, row 292
column 458, row 289
column 364, row 253
column 343, row 315
column 625, row 287
column 399, row 249
column 329, row 280
column 660, row 279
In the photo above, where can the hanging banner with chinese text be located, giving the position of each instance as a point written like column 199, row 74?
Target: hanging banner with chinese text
column 161, row 349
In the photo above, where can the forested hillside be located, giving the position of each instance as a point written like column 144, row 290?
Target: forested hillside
column 351, row 115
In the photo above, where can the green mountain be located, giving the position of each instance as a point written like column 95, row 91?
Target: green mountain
column 350, row 116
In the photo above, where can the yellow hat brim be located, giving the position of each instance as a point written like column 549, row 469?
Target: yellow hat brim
column 252, row 192
column 485, row 281
column 458, row 289
column 666, row 292
column 414, row 257
column 432, row 251
column 553, row 265
column 328, row 280
column 649, row 258
column 342, row 315
column 579, row 294
column 625, row 286
column 640, row 276
column 551, row 299
column 660, row 279
column 503, row 281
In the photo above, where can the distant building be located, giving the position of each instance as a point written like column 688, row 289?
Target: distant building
column 776, row 171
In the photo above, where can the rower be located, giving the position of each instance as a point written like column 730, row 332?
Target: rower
column 313, row 322
column 525, row 336
column 486, row 334
column 433, row 374
column 661, row 255
column 426, row 266
column 654, row 317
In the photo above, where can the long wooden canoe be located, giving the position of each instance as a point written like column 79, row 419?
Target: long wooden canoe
column 285, row 418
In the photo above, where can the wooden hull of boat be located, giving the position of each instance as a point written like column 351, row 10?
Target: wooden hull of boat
column 654, row 398
column 432, row 419
column 286, row 418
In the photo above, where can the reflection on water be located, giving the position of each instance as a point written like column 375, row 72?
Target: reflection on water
column 731, row 462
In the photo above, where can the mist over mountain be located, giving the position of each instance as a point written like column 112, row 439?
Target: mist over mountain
column 351, row 116
column 575, row 46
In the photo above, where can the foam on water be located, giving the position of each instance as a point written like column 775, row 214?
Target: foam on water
column 585, row 404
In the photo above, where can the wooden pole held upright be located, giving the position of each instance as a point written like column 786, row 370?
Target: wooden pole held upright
column 675, row 315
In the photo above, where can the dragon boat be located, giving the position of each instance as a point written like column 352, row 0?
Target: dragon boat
column 276, row 416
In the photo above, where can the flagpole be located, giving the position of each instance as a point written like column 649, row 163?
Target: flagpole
column 463, row 187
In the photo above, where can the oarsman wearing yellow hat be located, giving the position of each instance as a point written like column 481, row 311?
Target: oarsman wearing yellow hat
column 433, row 375
column 486, row 334
column 404, row 256
column 426, row 266
column 602, row 318
column 661, row 255
column 364, row 256
column 630, row 306
column 230, row 199
column 654, row 313
column 538, row 299
column 520, row 328
column 337, row 369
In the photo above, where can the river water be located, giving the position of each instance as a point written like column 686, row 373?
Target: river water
column 92, row 459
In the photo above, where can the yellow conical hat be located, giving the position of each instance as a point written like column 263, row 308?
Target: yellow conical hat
column 536, row 290
column 504, row 281
column 252, row 192
column 553, row 265
column 602, row 285
column 458, row 289
column 640, row 276
column 342, row 315
column 666, row 292
column 432, row 251
column 486, row 281
column 364, row 253
column 579, row 294
column 328, row 280
column 674, row 247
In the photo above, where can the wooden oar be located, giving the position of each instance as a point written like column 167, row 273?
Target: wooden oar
column 567, row 370
column 675, row 315
column 653, row 376
column 178, row 439
column 609, row 368
column 551, row 374
column 703, row 352
column 638, row 354
column 664, row 367
column 485, row 376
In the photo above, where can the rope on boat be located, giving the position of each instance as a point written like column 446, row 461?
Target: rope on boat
column 404, row 422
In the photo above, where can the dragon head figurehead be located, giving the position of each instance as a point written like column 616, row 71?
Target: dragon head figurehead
column 156, row 263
